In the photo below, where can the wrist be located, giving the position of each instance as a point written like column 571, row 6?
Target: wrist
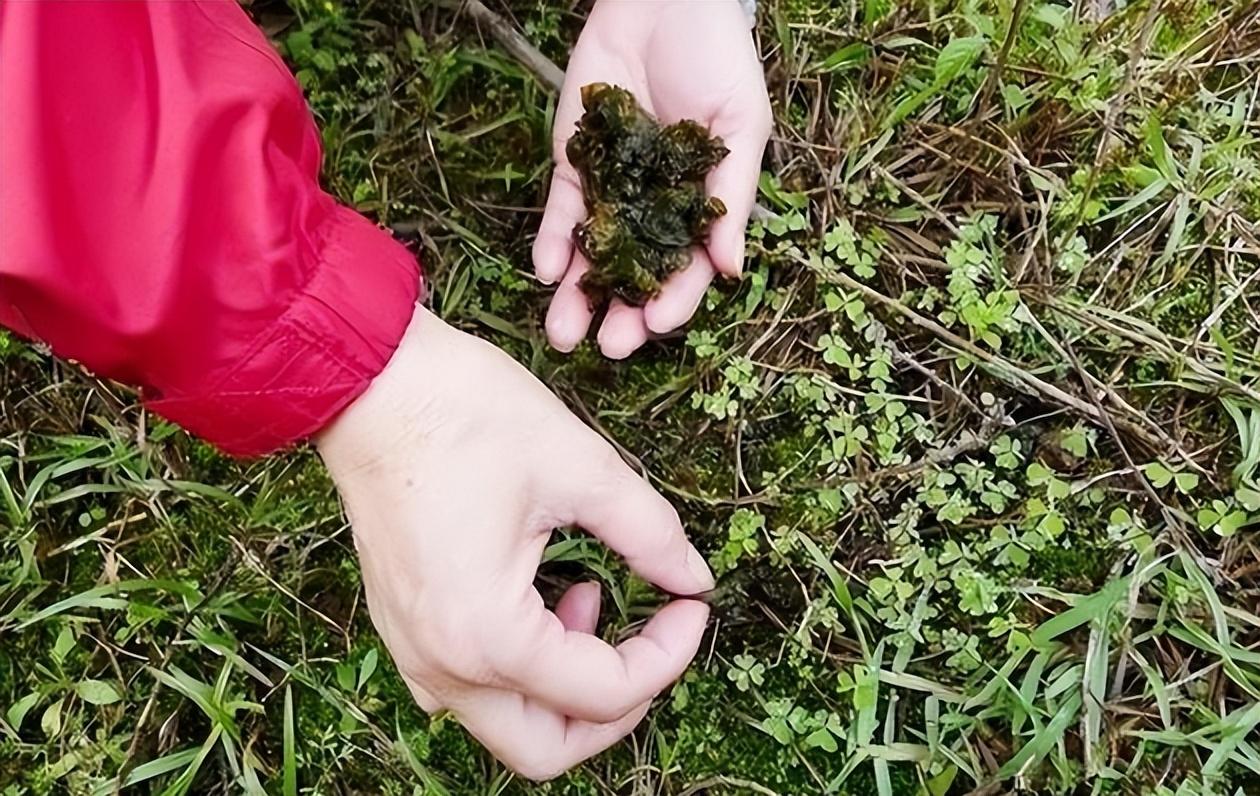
column 388, row 414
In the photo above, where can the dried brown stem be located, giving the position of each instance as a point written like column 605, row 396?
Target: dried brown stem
column 517, row 45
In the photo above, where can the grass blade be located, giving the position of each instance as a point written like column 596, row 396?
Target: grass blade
column 290, row 745
column 1040, row 745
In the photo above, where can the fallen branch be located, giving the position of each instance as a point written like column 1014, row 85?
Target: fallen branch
column 517, row 45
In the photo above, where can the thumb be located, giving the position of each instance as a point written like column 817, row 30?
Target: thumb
column 734, row 181
column 611, row 502
column 744, row 121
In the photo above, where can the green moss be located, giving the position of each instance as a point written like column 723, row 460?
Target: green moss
column 1081, row 568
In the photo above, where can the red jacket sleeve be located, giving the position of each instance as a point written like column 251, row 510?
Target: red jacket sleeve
column 161, row 220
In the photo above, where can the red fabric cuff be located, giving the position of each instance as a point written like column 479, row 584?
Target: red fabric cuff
column 318, row 356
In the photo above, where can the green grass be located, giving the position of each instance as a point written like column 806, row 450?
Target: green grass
column 973, row 444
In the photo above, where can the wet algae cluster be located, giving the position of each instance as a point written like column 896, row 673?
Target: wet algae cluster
column 645, row 198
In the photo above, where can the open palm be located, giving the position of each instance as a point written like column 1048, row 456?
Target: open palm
column 682, row 59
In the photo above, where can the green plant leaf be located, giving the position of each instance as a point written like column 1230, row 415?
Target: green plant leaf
column 149, row 770
column 1158, row 147
column 367, row 667
column 1038, row 474
column 50, row 722
column 821, row 739
column 1093, row 607
column 846, row 57
column 1248, row 498
column 97, row 692
column 290, row 745
column 1231, row 523
column 957, row 57
column 18, row 710
column 1058, row 489
column 1044, row 740
column 940, row 784
column 839, row 586
column 1186, row 482
column 1207, row 517
column 1159, row 475
column 1075, row 442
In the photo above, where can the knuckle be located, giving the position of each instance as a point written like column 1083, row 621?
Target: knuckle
column 662, row 533
column 609, row 464
column 424, row 696
column 604, row 709
column 617, row 481
column 468, row 664
column 671, row 522
column 614, row 709
column 512, row 653
column 565, row 173
column 419, row 661
column 505, row 661
column 601, row 466
column 445, row 646
column 425, row 678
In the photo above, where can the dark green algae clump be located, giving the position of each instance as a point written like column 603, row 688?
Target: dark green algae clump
column 644, row 188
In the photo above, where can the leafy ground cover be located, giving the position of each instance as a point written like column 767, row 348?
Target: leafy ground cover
column 973, row 445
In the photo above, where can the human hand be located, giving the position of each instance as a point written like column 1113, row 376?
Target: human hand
column 454, row 467
column 682, row 59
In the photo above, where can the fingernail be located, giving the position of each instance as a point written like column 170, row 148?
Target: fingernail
column 731, row 262
column 546, row 273
column 700, row 570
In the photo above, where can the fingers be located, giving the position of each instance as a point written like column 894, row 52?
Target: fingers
column 613, row 503
column 584, row 677
column 578, row 609
column 622, row 331
column 680, row 296
column 734, row 180
column 553, row 248
column 569, row 316
column 537, row 742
